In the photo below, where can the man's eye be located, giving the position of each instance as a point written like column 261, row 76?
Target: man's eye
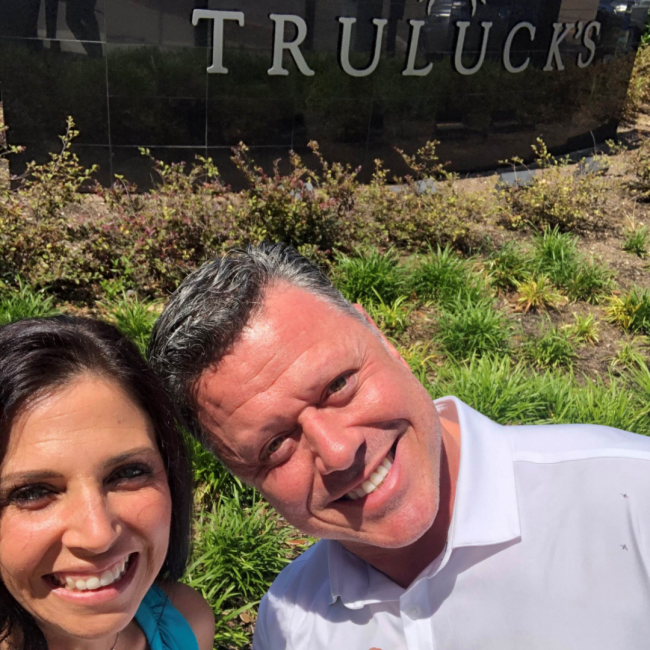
column 337, row 385
column 274, row 446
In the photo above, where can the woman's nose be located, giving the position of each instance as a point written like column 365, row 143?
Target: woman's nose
column 90, row 525
column 334, row 446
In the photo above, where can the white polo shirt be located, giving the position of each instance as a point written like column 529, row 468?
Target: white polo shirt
column 548, row 549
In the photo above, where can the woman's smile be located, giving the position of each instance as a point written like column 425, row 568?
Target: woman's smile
column 83, row 534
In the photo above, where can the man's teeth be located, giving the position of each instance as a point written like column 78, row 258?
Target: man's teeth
column 373, row 482
column 95, row 582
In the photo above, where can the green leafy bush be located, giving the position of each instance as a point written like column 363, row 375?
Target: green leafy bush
column 133, row 317
column 391, row 318
column 636, row 241
column 442, row 276
column 511, row 393
column 537, row 293
column 508, row 267
column 368, row 277
column 473, row 329
column 24, row 302
column 631, row 311
column 556, row 256
column 237, row 553
column 551, row 350
column 585, row 329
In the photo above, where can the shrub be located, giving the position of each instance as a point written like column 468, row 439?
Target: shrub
column 133, row 317
column 631, row 311
column 473, row 329
column 552, row 350
column 215, row 482
column 589, row 282
column 420, row 359
column 638, row 94
column 555, row 197
column 537, row 294
column 511, row 394
column 636, row 241
column 444, row 278
column 631, row 352
column 301, row 207
column 237, row 554
column 508, row 267
column 144, row 241
column 368, row 276
column 641, row 167
column 415, row 215
column 584, row 330
column 391, row 318
column 556, row 255
column 24, row 302
column 52, row 186
column 155, row 239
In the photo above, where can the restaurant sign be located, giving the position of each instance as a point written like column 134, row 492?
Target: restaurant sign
column 583, row 32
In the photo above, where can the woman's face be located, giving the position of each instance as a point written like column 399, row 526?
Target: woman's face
column 86, row 526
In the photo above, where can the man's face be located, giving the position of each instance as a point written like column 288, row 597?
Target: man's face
column 308, row 406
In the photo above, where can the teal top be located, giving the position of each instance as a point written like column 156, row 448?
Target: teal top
column 163, row 625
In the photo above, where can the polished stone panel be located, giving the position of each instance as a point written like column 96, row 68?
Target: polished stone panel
column 484, row 77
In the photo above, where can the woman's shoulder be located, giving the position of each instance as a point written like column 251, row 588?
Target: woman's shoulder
column 195, row 609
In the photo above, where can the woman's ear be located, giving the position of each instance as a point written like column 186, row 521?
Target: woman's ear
column 389, row 346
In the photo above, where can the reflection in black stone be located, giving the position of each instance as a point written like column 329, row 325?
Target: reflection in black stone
column 151, row 79
column 396, row 13
column 19, row 19
column 80, row 18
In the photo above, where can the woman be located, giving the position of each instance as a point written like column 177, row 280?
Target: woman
column 95, row 496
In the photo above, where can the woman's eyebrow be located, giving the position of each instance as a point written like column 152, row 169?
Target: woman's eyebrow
column 128, row 455
column 28, row 477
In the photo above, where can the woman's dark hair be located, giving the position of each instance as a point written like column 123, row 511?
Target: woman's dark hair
column 40, row 356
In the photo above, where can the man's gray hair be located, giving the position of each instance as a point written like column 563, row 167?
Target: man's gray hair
column 208, row 312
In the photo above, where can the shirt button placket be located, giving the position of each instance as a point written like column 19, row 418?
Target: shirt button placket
column 417, row 627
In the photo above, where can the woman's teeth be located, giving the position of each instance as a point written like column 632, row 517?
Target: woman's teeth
column 95, row 582
column 373, row 482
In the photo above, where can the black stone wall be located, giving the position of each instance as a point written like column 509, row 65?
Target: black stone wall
column 133, row 73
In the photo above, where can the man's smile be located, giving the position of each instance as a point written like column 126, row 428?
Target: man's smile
column 370, row 481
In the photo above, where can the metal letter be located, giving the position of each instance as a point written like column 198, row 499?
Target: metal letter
column 554, row 50
column 217, row 66
column 280, row 45
column 458, row 60
column 588, row 42
column 506, row 51
column 345, row 47
column 410, row 70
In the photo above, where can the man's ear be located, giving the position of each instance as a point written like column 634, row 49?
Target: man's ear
column 389, row 346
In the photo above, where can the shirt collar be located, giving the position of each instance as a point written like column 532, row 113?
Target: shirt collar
column 485, row 510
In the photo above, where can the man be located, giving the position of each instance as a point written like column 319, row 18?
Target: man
column 441, row 529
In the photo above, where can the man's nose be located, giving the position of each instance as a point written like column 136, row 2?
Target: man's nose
column 335, row 446
column 90, row 524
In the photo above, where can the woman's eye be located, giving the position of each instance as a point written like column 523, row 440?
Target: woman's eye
column 30, row 495
column 130, row 473
column 337, row 385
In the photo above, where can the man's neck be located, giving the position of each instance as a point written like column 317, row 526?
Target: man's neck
column 403, row 565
